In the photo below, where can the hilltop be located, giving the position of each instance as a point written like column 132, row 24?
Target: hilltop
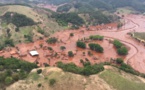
column 53, row 78
column 37, row 25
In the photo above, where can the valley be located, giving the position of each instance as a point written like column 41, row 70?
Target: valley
column 135, row 56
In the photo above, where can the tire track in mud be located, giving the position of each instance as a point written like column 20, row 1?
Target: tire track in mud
column 125, row 42
column 136, row 25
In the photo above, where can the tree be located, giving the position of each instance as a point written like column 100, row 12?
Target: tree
column 62, row 48
column 119, row 25
column 96, row 47
column 39, row 71
column 81, row 44
column 17, row 29
column 39, row 85
column 96, row 37
column 8, row 80
column 122, row 51
column 50, row 48
column 15, row 76
column 70, row 54
column 52, row 82
column 71, row 35
column 52, row 40
column 9, row 42
column 117, row 44
column 119, row 60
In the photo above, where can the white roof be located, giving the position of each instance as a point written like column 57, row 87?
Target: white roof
column 34, row 53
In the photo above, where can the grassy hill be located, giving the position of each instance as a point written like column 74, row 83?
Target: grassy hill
column 53, row 78
column 44, row 26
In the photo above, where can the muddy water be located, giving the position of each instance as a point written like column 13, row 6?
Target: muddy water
column 135, row 57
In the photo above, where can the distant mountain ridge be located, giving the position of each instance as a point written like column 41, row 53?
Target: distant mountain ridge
column 138, row 5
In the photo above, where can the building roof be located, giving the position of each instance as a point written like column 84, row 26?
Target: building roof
column 34, row 53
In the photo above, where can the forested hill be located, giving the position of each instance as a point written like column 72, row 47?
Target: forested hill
column 138, row 5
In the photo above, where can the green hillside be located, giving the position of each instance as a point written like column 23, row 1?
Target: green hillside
column 53, row 78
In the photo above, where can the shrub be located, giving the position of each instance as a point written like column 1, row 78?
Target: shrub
column 96, row 37
column 39, row 71
column 89, row 53
column 70, row 54
column 52, row 40
column 119, row 25
column 71, row 35
column 52, row 82
column 8, row 80
column 122, row 51
column 1, row 67
column 50, row 48
column 62, row 48
column 128, row 69
column 117, row 44
column 46, row 65
column 41, row 31
column 9, row 42
column 15, row 77
column 88, row 69
column 39, row 85
column 17, row 29
column 119, row 60
column 96, row 47
column 81, row 44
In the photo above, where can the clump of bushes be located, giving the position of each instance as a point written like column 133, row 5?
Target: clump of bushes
column 39, row 71
column 9, row 42
column 87, row 70
column 96, row 37
column 65, row 18
column 128, row 69
column 121, row 50
column 50, row 48
column 71, row 35
column 62, row 48
column 96, row 47
column 12, row 70
column 39, row 85
column 117, row 44
column 52, row 40
column 70, row 54
column 52, row 82
column 119, row 60
column 18, row 20
column 81, row 44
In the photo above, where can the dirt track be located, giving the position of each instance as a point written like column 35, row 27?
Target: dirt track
column 135, row 57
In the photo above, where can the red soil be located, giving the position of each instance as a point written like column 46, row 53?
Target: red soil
column 135, row 57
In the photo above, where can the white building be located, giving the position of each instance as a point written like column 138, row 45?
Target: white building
column 34, row 53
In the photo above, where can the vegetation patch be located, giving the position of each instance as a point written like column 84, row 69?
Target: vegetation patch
column 65, row 18
column 96, row 37
column 87, row 70
column 12, row 70
column 96, row 47
column 52, row 40
column 18, row 20
column 81, row 44
column 52, row 82
column 120, row 83
column 121, row 49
